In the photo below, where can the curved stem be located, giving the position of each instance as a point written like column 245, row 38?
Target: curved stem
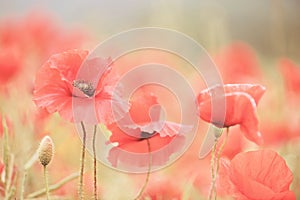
column 148, row 172
column 46, row 182
column 82, row 161
column 95, row 162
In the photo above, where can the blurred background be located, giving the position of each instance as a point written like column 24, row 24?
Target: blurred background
column 272, row 27
column 250, row 41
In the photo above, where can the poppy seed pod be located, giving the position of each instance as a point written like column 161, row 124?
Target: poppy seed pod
column 46, row 150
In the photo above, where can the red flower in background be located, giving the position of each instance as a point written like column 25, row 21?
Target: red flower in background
column 10, row 64
column 47, row 36
column 162, row 188
column 238, row 63
column 256, row 175
column 41, row 34
column 131, row 137
column 280, row 132
column 58, row 89
column 291, row 75
column 26, row 42
column 241, row 101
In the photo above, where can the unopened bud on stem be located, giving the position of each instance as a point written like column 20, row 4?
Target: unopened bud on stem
column 46, row 150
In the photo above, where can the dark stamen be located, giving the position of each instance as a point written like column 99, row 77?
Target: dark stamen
column 146, row 135
column 85, row 87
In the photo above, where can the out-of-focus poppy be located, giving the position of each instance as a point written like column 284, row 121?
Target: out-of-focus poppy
column 238, row 63
column 291, row 75
column 162, row 188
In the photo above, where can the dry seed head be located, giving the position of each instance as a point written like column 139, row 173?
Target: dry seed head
column 46, row 150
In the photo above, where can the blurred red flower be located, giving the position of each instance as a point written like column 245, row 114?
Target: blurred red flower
column 41, row 34
column 291, row 75
column 241, row 101
column 78, row 96
column 238, row 63
column 143, row 123
column 10, row 64
column 256, row 175
column 161, row 188
column 40, row 27
column 280, row 132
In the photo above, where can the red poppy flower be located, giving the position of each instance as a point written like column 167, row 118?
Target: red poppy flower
column 238, row 63
column 256, row 175
column 291, row 75
column 132, row 132
column 78, row 96
column 241, row 101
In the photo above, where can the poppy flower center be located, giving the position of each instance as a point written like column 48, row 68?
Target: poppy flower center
column 146, row 135
column 85, row 87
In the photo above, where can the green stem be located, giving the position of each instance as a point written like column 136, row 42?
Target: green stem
column 95, row 162
column 46, row 182
column 9, row 185
column 27, row 166
column 82, row 162
column 148, row 172
column 23, row 185
column 6, row 155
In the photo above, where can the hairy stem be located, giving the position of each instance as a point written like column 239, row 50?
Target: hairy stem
column 215, row 164
column 9, row 185
column 27, row 166
column 95, row 162
column 148, row 172
column 221, row 150
column 46, row 182
column 23, row 185
column 213, row 174
column 82, row 162
column 6, row 155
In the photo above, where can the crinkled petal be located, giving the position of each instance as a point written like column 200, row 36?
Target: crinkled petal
column 136, row 154
column 261, row 174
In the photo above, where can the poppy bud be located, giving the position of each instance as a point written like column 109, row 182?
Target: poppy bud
column 46, row 150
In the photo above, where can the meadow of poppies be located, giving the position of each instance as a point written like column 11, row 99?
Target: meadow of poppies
column 145, row 125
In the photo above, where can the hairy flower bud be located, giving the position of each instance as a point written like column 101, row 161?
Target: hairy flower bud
column 46, row 150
